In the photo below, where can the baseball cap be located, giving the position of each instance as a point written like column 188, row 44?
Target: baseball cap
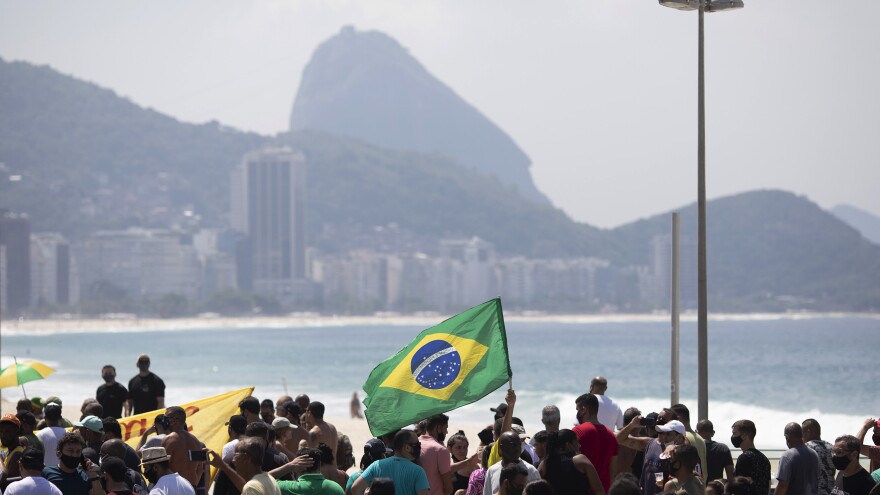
column 54, row 399
column 376, row 448
column 674, row 425
column 32, row 458
column 10, row 418
column 519, row 430
column 238, row 423
column 501, row 409
column 93, row 423
column 280, row 423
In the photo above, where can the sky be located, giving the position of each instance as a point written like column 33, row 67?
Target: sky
column 601, row 94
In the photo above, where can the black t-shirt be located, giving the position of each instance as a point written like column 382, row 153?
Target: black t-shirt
column 111, row 398
column 753, row 464
column 144, row 391
column 860, row 483
column 718, row 456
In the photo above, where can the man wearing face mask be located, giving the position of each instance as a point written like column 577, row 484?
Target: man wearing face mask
column 157, row 470
column 74, row 475
column 852, row 478
column 798, row 466
column 434, row 457
column 111, row 395
column 683, row 461
column 409, row 478
column 597, row 442
column 752, row 463
column 650, row 445
column 146, row 391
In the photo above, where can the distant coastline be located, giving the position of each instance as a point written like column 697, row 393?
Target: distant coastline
column 132, row 323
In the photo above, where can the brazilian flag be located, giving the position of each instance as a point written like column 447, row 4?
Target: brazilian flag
column 447, row 366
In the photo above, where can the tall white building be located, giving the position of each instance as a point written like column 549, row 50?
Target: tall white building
column 53, row 272
column 268, row 204
column 143, row 262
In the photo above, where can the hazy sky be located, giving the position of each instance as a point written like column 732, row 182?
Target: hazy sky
column 601, row 94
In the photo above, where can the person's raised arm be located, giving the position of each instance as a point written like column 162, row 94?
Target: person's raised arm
column 297, row 465
column 217, row 461
column 867, row 425
column 143, row 439
column 469, row 462
column 624, row 435
column 510, row 399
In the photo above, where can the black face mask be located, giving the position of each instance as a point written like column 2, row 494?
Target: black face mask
column 876, row 438
column 108, row 378
column 840, row 462
column 736, row 441
column 416, row 453
column 441, row 437
column 69, row 461
column 151, row 476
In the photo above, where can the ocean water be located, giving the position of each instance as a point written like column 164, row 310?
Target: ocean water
column 769, row 369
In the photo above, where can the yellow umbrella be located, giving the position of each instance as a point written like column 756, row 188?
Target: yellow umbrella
column 21, row 373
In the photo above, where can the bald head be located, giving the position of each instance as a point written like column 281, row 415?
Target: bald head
column 510, row 446
column 794, row 430
column 114, row 447
column 794, row 435
column 598, row 385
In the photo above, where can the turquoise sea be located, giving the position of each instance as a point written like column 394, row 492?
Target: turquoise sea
column 770, row 369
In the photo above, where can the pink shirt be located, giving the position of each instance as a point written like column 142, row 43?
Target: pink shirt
column 436, row 462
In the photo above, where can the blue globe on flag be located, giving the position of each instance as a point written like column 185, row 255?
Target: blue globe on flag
column 436, row 364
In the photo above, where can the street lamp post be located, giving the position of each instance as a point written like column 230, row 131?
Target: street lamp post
column 702, row 6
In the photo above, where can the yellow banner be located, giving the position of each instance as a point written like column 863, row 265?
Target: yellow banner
column 205, row 418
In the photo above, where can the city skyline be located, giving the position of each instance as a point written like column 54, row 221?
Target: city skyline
column 597, row 94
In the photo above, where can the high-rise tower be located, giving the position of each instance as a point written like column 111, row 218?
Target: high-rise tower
column 268, row 204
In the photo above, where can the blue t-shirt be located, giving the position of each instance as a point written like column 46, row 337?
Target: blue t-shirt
column 76, row 483
column 409, row 478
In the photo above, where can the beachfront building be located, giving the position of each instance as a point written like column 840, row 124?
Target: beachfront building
column 15, row 240
column 268, row 205
column 53, row 271
column 139, row 262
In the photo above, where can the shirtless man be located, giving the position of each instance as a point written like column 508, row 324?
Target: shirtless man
column 178, row 443
column 321, row 431
column 298, row 434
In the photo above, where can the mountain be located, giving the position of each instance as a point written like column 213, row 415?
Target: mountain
column 766, row 246
column 866, row 223
column 365, row 85
column 88, row 159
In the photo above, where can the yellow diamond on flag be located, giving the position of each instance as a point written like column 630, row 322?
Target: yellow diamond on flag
column 436, row 366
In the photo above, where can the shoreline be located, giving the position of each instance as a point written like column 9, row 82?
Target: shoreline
column 129, row 323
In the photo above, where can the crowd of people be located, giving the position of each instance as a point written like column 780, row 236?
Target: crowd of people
column 286, row 447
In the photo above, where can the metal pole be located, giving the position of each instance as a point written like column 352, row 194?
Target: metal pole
column 674, row 387
column 702, row 296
